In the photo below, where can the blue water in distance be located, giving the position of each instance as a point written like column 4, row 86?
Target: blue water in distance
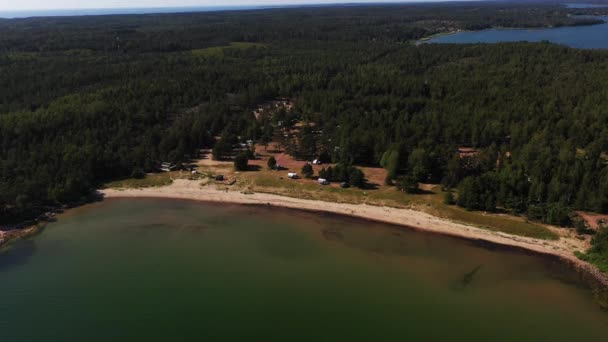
column 583, row 37
column 112, row 11
column 585, row 6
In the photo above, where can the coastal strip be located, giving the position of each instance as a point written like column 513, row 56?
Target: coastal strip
column 8, row 236
column 563, row 248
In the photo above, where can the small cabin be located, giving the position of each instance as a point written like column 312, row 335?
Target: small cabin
column 467, row 152
column 292, row 175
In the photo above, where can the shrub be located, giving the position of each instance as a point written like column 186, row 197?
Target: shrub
column 408, row 184
column 307, row 170
column 536, row 212
column 138, row 173
column 448, row 198
column 356, row 177
column 241, row 162
column 558, row 215
column 479, row 192
column 250, row 154
column 272, row 162
column 390, row 162
column 323, row 173
column 598, row 253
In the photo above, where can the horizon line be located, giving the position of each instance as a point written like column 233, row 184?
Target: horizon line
column 251, row 5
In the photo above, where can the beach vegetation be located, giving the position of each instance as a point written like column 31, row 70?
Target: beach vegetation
column 271, row 163
column 307, row 170
column 598, row 253
column 241, row 162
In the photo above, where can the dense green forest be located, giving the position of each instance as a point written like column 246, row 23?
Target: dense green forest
column 84, row 100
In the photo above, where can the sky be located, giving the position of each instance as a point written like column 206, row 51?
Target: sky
column 14, row 5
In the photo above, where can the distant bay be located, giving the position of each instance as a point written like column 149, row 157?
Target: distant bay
column 586, row 5
column 582, row 37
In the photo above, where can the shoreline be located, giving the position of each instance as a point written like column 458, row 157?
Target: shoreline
column 9, row 236
column 562, row 248
column 426, row 39
column 599, row 20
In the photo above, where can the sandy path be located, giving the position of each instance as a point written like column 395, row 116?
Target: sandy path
column 185, row 189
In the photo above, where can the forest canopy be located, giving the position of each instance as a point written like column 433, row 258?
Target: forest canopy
column 85, row 100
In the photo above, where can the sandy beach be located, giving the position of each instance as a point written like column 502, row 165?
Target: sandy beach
column 563, row 248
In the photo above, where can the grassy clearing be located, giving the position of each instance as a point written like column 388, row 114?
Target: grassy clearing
column 218, row 51
column 273, row 182
column 151, row 180
column 431, row 202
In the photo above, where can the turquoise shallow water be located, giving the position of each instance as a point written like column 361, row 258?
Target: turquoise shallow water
column 162, row 270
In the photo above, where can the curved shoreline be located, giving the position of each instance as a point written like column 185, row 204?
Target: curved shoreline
column 563, row 248
column 7, row 237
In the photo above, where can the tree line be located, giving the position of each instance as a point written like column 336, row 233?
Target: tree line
column 83, row 101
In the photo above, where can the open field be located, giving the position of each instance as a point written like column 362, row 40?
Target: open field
column 218, row 51
column 151, row 180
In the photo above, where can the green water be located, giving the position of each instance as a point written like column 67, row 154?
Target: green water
column 160, row 270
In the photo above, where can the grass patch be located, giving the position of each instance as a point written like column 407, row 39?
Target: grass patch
column 271, row 182
column 151, row 180
column 597, row 259
column 218, row 51
column 598, row 253
column 431, row 202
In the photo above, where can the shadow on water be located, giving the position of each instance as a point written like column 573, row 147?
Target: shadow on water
column 17, row 255
column 467, row 278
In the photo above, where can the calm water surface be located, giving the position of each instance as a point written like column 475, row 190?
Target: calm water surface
column 160, row 270
column 586, row 6
column 583, row 37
